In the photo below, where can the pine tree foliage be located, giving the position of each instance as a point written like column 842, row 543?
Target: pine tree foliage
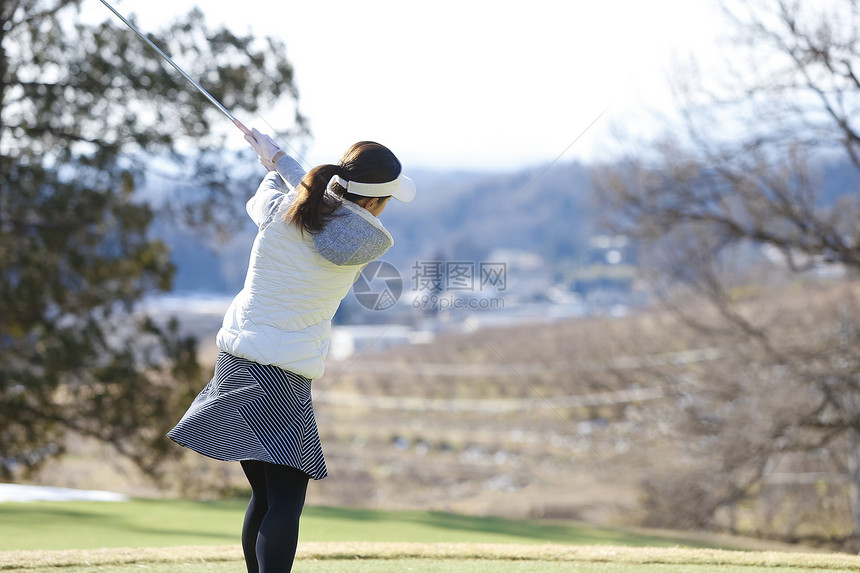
column 84, row 108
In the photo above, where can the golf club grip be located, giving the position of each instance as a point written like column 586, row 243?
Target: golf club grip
column 241, row 126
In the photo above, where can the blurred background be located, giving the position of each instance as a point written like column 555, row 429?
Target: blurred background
column 627, row 291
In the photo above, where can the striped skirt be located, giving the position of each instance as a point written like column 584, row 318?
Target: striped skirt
column 254, row 412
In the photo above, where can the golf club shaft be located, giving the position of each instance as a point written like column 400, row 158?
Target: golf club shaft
column 143, row 37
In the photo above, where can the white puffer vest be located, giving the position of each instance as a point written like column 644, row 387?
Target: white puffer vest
column 296, row 282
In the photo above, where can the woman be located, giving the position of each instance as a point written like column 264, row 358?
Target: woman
column 316, row 232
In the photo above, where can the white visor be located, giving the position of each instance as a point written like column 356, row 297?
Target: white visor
column 402, row 188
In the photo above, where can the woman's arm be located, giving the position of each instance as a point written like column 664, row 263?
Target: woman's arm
column 265, row 202
column 289, row 170
column 273, row 158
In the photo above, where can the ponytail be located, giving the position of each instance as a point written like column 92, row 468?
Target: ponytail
column 364, row 162
column 311, row 209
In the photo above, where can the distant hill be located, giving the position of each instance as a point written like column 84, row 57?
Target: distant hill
column 459, row 216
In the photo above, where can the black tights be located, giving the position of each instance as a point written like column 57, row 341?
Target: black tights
column 271, row 530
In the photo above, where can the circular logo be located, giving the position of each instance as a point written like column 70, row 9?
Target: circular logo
column 379, row 286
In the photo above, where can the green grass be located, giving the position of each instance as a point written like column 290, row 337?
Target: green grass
column 163, row 523
column 161, row 536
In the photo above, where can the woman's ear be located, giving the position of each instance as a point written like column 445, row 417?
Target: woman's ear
column 363, row 202
column 374, row 205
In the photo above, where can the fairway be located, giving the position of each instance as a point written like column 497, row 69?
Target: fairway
column 161, row 536
column 164, row 523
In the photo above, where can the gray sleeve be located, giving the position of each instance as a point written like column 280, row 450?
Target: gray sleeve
column 349, row 240
column 290, row 171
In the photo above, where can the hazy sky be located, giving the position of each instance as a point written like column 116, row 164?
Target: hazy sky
column 469, row 83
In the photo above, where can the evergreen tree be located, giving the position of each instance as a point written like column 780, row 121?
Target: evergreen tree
column 83, row 109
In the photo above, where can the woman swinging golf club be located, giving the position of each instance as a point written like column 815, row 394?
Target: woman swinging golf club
column 316, row 232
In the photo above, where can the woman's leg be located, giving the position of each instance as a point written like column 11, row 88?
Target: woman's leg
column 279, row 531
column 257, row 508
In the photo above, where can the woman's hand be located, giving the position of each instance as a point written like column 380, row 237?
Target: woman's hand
column 267, row 150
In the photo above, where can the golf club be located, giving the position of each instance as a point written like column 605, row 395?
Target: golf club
column 143, row 37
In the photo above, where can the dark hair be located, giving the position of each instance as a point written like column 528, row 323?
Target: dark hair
column 365, row 162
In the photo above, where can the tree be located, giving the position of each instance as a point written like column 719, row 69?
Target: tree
column 733, row 210
column 84, row 110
